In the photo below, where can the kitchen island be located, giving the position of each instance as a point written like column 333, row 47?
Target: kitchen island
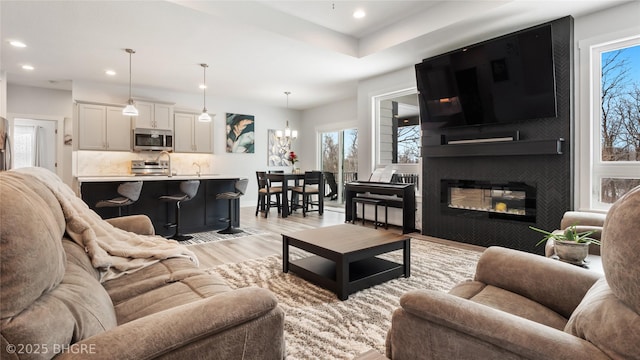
column 202, row 213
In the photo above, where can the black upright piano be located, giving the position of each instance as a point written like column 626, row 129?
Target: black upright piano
column 396, row 195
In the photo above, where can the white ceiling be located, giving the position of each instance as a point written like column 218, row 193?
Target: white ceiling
column 256, row 50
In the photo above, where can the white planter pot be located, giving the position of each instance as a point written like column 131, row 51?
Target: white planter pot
column 571, row 252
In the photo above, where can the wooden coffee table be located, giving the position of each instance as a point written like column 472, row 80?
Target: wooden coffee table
column 344, row 258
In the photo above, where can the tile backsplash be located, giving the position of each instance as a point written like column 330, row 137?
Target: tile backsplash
column 109, row 163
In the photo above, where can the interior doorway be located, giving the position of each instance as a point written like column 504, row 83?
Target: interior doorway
column 34, row 143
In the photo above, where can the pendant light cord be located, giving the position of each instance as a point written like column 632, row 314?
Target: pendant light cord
column 130, row 51
column 204, row 117
column 129, row 74
column 204, row 89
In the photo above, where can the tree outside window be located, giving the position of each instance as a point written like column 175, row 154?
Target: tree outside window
column 619, row 118
column 408, row 146
column 330, row 152
column 339, row 151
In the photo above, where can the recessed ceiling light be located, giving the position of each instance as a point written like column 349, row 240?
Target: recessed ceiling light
column 202, row 86
column 27, row 67
column 110, row 72
column 359, row 14
column 17, row 43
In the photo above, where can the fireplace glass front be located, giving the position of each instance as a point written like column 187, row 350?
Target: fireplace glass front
column 513, row 201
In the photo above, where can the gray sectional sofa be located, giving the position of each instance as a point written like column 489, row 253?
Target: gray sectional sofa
column 55, row 300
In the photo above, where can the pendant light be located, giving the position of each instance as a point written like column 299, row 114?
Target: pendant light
column 204, row 117
column 130, row 110
column 288, row 133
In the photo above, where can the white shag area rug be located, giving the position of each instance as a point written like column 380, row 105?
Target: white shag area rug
column 319, row 326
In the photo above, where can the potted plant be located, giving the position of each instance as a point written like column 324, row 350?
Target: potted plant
column 569, row 245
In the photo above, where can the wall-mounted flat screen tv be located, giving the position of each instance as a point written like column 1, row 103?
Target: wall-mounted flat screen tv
column 507, row 79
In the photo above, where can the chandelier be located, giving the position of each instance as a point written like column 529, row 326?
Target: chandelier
column 287, row 134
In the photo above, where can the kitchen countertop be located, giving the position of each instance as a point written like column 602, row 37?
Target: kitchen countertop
column 131, row 177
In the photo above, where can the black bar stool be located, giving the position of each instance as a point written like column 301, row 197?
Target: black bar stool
column 188, row 189
column 241, row 188
column 129, row 191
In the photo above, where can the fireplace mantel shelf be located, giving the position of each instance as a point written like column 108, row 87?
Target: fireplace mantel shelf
column 502, row 148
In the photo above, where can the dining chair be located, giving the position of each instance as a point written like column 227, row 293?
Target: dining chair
column 312, row 184
column 333, row 186
column 265, row 193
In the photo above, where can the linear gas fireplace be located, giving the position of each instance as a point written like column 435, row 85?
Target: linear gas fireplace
column 493, row 200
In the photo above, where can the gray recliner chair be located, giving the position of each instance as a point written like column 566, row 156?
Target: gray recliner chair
column 584, row 221
column 526, row 306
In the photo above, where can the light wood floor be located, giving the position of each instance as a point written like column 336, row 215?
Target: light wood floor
column 270, row 243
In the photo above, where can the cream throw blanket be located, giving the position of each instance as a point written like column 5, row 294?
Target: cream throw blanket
column 113, row 251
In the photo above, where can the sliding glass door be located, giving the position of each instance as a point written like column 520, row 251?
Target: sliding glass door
column 339, row 161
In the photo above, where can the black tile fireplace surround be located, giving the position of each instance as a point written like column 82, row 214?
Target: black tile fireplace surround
column 541, row 157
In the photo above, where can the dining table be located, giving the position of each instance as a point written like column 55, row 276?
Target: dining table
column 285, row 178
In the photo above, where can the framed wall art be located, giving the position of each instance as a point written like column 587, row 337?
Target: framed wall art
column 240, row 133
column 278, row 152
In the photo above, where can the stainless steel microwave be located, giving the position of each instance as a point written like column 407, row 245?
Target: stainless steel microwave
column 152, row 140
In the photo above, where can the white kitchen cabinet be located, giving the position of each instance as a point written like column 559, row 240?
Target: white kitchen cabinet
column 92, row 120
column 103, row 127
column 154, row 115
column 118, row 130
column 183, row 132
column 191, row 135
column 202, row 135
column 145, row 118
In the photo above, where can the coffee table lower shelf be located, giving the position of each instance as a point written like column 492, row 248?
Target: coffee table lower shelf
column 362, row 274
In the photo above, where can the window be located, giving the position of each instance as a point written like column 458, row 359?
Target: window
column 35, row 143
column 407, row 149
column 25, row 146
column 339, row 151
column 398, row 129
column 616, row 120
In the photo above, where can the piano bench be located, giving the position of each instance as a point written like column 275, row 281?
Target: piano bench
column 371, row 201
